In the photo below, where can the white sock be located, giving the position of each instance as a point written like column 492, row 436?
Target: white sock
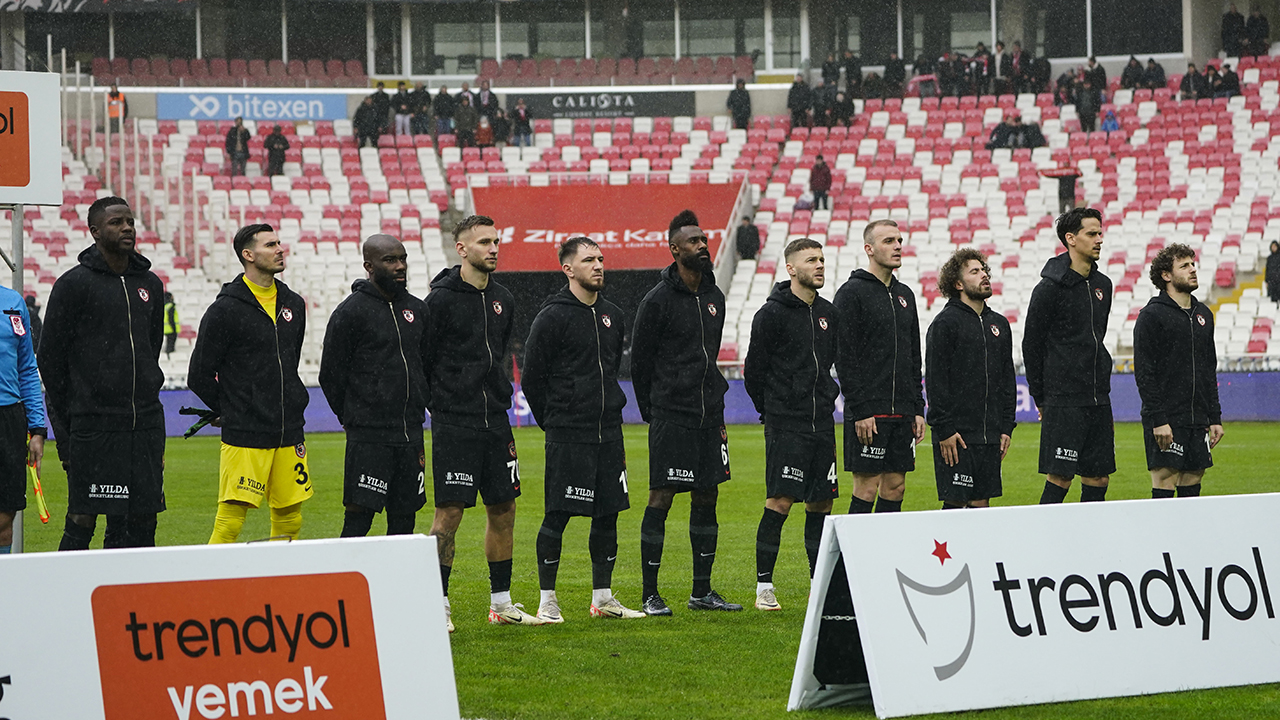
column 446, row 602
column 761, row 587
column 601, row 595
column 499, row 599
column 548, row 595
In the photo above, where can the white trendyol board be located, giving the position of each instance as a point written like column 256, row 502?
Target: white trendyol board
column 30, row 141
column 959, row 610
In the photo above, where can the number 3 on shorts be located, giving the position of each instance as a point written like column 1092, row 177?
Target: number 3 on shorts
column 303, row 478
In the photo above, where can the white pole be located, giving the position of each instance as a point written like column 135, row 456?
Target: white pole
column 17, row 544
column 994, row 30
column 199, row 34
column 93, row 118
column 768, row 34
column 195, row 219
column 111, row 35
column 677, row 24
column 1088, row 29
column 804, row 31
column 79, row 117
column 406, row 40
column 900, row 48
column 137, row 169
column 151, row 171
column 124, row 184
column 106, row 135
column 497, row 31
column 588, row 33
column 182, row 216
column 284, row 32
column 369, row 39
column 168, row 223
column 62, row 95
column 48, row 48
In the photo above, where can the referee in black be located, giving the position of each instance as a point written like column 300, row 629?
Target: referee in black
column 1176, row 367
column 1068, row 366
column 879, row 369
column 973, row 393
column 571, row 382
column 371, row 374
column 680, row 393
column 788, row 376
column 100, row 361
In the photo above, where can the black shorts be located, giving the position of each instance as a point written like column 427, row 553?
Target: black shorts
column 684, row 459
column 586, row 479
column 378, row 476
column 13, row 458
column 975, row 476
column 1189, row 451
column 1077, row 441
column 467, row 460
column 800, row 465
column 892, row 448
column 115, row 472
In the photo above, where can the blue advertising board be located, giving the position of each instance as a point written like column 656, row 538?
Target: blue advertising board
column 260, row 106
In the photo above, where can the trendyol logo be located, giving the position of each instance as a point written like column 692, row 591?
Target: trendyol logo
column 964, row 580
column 15, row 139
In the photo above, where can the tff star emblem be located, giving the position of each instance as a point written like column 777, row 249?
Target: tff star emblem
column 940, row 552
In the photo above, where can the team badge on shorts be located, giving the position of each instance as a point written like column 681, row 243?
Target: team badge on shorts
column 1200, row 319
column 287, row 314
column 511, row 448
column 408, row 315
column 422, row 460
column 18, row 328
column 822, row 323
column 724, row 435
column 300, row 449
column 711, row 308
column 142, row 293
column 609, row 323
column 995, row 331
column 497, row 307
column 902, row 301
column 1097, row 292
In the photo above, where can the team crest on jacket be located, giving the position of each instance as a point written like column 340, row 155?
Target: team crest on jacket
column 607, row 322
column 142, row 293
column 902, row 301
column 1199, row 319
column 995, row 331
column 18, row 328
column 300, row 449
column 287, row 314
column 408, row 315
column 1097, row 292
column 822, row 323
column 511, row 448
column 711, row 308
column 497, row 307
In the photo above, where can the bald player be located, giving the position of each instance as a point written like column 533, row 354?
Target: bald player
column 371, row 373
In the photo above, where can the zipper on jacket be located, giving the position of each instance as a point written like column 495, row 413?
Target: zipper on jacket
column 1094, row 333
column 1191, row 311
column 484, row 392
column 986, row 376
column 706, row 359
column 133, row 353
column 813, row 346
column 893, row 387
column 400, row 344
column 275, row 325
column 595, row 322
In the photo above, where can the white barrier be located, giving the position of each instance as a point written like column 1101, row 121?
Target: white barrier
column 339, row 629
column 959, row 610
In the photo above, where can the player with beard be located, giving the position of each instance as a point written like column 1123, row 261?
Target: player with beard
column 788, row 376
column 472, row 450
column 973, row 393
column 1068, row 365
column 371, row 374
column 571, row 382
column 879, row 368
column 680, row 393
column 1176, row 366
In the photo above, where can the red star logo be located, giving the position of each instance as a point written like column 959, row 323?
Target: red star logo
column 940, row 552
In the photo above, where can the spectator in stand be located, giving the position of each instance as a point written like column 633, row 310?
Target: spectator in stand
column 1013, row 134
column 1131, row 77
column 1096, row 75
column 1065, row 88
column 1154, row 78
column 822, row 100
column 923, row 65
column 852, row 74
column 1110, row 123
column 1088, row 103
column 1021, row 71
column 1212, row 80
column 1000, row 70
column 501, row 128
column 421, row 121
column 466, row 92
column 820, row 184
column 747, row 238
column 895, row 75
column 486, row 100
column 238, row 146
column 1041, row 71
column 739, row 104
column 842, row 111
column 831, row 70
column 117, row 107
column 366, row 124
column 980, row 70
column 444, row 107
column 522, row 124
column 402, row 105
column 171, row 324
column 948, row 80
column 382, row 106
column 276, row 144
column 484, row 132
column 1229, row 83
column 1273, row 272
column 873, row 86
column 799, row 102
column 33, row 310
column 1232, row 31
column 466, row 120
column 1257, row 34
column 1193, row 85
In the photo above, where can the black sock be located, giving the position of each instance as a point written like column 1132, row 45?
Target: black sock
column 141, row 529
column 768, row 541
column 445, row 570
column 117, row 533
column 858, row 506
column 813, row 522
column 500, row 576
column 1161, row 493
column 75, row 536
column 548, row 547
column 356, row 523
column 653, row 531
column 400, row 523
column 884, row 506
column 1189, row 490
column 603, row 544
column 1092, row 493
column 703, row 532
column 1052, row 494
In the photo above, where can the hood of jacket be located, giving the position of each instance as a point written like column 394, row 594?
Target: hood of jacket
column 1058, row 269
column 451, row 279
column 671, row 276
column 92, row 258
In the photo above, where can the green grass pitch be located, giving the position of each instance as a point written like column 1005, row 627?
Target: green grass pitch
column 694, row 665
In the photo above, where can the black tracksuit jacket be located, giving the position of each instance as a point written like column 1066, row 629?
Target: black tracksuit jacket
column 371, row 368
column 879, row 358
column 468, row 332
column 788, row 366
column 571, row 363
column 100, row 347
column 1176, row 364
column 244, row 367
column 673, row 353
column 968, row 372
column 1063, row 337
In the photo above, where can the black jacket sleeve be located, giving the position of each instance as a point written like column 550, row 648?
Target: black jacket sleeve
column 57, row 337
column 939, row 347
column 1035, row 336
column 847, row 350
column 156, row 331
column 1008, row 382
column 335, row 360
column 755, row 370
column 206, row 357
column 430, row 345
column 1147, row 355
column 644, row 348
column 917, row 362
column 539, row 358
